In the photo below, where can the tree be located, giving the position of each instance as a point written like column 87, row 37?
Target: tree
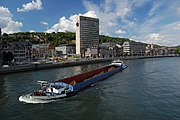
column 10, row 56
column 177, row 50
column 103, row 39
column 7, row 57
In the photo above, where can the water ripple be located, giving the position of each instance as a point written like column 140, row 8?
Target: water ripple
column 147, row 90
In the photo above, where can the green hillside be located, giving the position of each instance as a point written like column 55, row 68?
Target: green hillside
column 55, row 38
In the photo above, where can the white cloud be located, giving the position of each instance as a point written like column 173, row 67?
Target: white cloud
column 107, row 19
column 5, row 12
column 120, row 31
column 112, row 23
column 7, row 23
column 44, row 23
column 34, row 5
column 113, row 13
column 90, row 14
column 163, row 19
column 177, row 27
column 171, row 33
column 68, row 24
column 131, row 24
column 156, row 6
column 157, row 24
column 149, row 25
column 31, row 31
column 172, row 27
column 155, row 37
column 63, row 25
column 138, row 3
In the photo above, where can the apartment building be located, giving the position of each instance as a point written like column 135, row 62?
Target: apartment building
column 65, row 50
column 110, row 49
column 92, row 52
column 22, row 51
column 42, row 51
column 134, row 48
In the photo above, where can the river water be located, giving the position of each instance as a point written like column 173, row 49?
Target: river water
column 149, row 89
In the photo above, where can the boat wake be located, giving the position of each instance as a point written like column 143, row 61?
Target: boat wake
column 66, row 87
column 33, row 101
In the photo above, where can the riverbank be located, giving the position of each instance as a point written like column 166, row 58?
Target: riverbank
column 40, row 66
column 146, row 57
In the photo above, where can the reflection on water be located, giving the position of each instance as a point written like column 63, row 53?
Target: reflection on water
column 2, row 92
column 147, row 90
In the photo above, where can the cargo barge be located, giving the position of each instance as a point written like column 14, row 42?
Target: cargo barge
column 72, row 85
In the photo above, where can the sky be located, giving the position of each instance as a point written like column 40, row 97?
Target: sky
column 148, row 21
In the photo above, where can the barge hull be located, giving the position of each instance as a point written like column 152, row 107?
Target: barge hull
column 96, row 79
column 84, row 80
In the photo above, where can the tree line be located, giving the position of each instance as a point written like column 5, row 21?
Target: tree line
column 177, row 50
column 57, row 38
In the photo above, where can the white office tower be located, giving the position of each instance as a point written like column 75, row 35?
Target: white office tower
column 87, row 34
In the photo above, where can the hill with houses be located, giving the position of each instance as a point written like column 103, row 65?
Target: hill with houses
column 54, row 38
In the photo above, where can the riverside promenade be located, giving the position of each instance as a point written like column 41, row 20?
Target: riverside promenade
column 40, row 66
